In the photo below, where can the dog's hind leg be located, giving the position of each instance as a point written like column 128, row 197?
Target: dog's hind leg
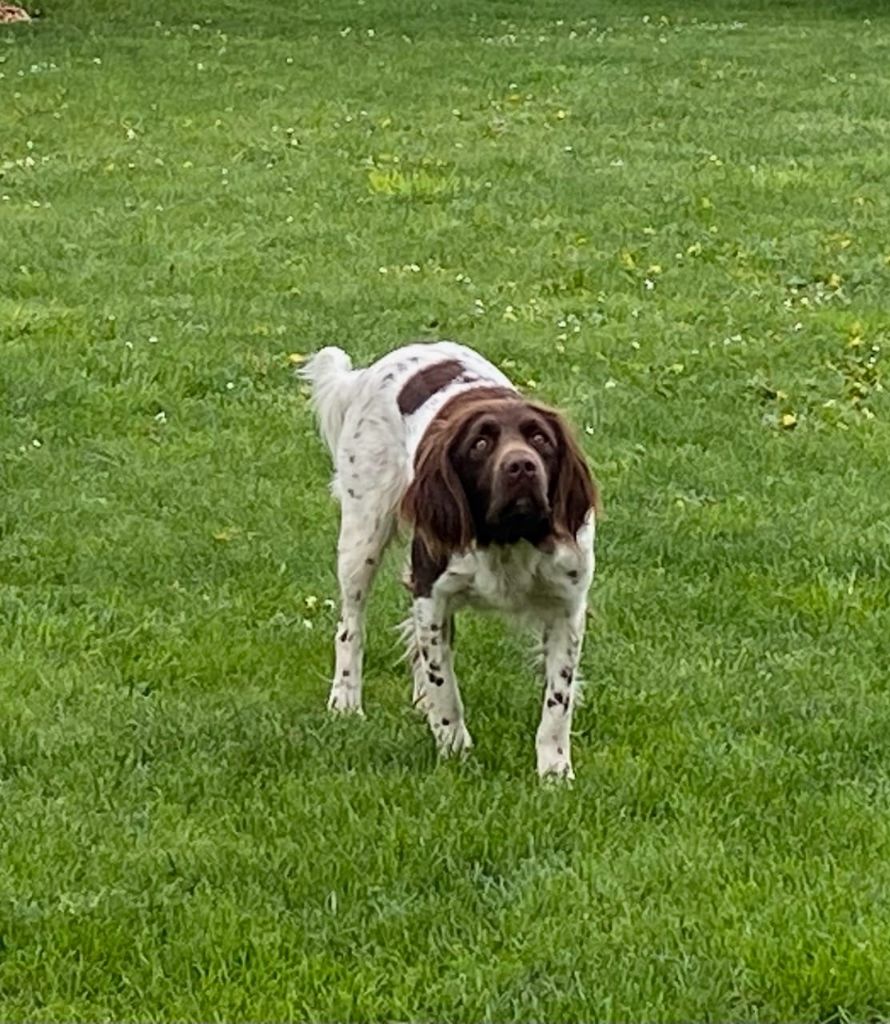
column 364, row 534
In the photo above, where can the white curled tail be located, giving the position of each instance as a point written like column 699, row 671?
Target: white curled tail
column 333, row 383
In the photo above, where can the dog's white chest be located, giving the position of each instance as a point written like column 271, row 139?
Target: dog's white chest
column 520, row 580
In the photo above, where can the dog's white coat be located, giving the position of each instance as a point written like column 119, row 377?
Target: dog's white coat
column 373, row 446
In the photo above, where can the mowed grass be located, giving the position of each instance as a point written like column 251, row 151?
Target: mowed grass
column 670, row 220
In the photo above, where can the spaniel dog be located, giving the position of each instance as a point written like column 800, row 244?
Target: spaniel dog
column 502, row 506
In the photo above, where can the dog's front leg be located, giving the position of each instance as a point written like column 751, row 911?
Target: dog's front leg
column 441, row 701
column 562, row 651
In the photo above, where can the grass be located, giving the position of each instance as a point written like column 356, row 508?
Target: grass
column 671, row 221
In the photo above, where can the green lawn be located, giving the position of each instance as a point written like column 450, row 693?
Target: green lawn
column 671, row 220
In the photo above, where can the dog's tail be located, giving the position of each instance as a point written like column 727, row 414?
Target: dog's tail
column 333, row 382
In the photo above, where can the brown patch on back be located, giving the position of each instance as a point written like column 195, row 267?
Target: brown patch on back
column 426, row 382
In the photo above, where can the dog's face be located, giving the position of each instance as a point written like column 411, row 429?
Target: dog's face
column 496, row 469
column 505, row 459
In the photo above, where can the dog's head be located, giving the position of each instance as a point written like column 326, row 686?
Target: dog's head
column 496, row 469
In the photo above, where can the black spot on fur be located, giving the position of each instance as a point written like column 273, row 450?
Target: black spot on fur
column 344, row 636
column 552, row 702
column 425, row 652
column 565, row 673
column 345, row 673
column 559, row 751
column 352, row 458
column 434, row 667
column 573, row 575
column 369, row 561
column 436, row 680
column 446, row 721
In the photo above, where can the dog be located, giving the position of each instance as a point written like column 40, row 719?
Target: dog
column 503, row 509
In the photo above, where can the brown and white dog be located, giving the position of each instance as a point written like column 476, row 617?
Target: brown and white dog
column 503, row 509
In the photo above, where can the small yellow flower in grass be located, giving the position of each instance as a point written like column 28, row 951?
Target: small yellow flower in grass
column 310, row 601
column 226, row 534
column 626, row 260
column 705, row 203
column 788, row 421
column 834, row 281
column 296, row 358
column 654, row 269
column 854, row 335
column 859, row 200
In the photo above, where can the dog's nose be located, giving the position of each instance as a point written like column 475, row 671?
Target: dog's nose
column 518, row 466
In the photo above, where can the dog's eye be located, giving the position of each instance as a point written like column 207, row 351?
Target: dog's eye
column 539, row 440
column 481, row 444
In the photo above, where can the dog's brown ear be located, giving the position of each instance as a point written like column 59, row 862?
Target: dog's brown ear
column 436, row 503
column 573, row 491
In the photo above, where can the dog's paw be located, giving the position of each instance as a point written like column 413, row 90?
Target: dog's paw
column 345, row 700
column 452, row 737
column 554, row 765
